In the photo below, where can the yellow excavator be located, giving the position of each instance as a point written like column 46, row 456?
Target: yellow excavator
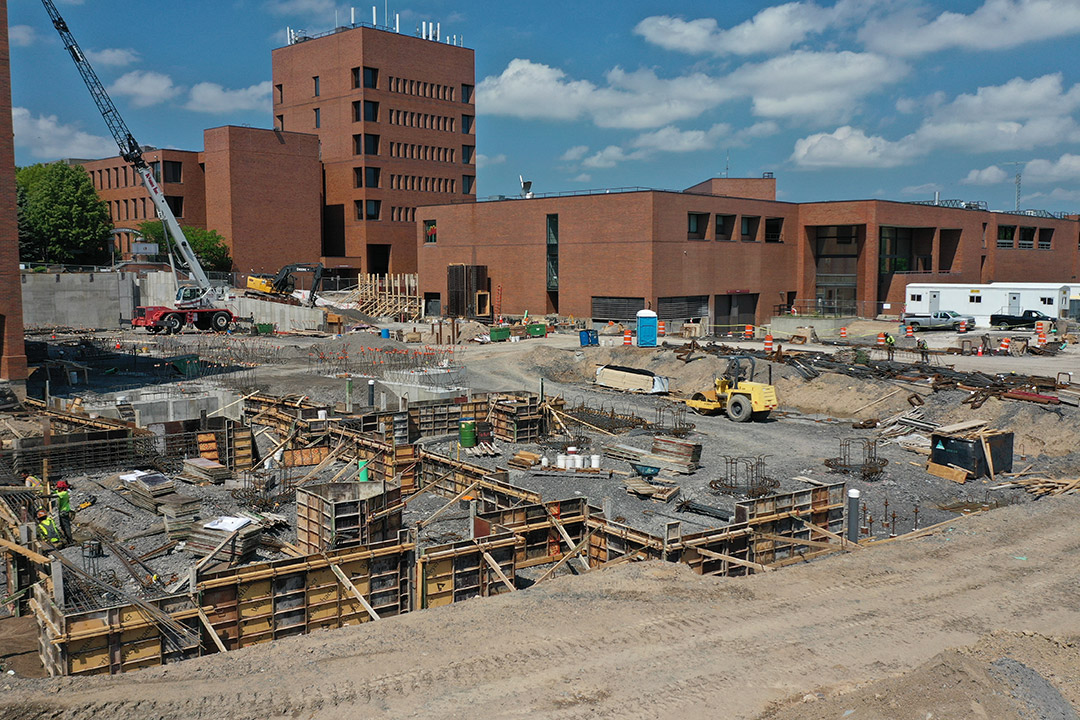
column 735, row 394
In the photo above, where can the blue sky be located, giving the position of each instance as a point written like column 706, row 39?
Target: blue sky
column 840, row 99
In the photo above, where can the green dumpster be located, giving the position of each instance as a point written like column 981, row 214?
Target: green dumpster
column 499, row 334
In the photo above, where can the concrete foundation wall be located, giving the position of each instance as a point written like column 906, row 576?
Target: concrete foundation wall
column 157, row 407
column 90, row 300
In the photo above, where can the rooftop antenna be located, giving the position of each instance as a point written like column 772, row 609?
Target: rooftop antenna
column 727, row 165
column 526, row 187
column 1017, row 164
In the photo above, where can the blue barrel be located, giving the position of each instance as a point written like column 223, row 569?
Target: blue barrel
column 385, row 332
column 646, row 328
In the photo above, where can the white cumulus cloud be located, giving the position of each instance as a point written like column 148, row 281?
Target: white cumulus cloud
column 671, row 139
column 575, row 153
column 850, row 147
column 113, row 57
column 987, row 176
column 1065, row 169
column 312, row 8
column 995, row 25
column 210, row 97
column 924, row 189
column 21, row 35
column 773, row 29
column 485, row 161
column 145, row 88
column 48, row 139
column 583, row 177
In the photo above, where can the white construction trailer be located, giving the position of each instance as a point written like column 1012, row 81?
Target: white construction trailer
column 982, row 301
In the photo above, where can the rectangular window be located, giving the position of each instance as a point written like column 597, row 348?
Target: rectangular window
column 280, row 122
column 371, row 176
column 974, row 298
column 371, row 144
column 466, row 124
column 279, row 96
column 371, row 78
column 155, row 168
column 748, row 227
column 373, row 209
column 467, row 153
column 467, row 182
column 1006, row 236
column 358, row 205
column 176, row 204
column 358, row 144
column 358, row 177
column 357, row 111
column 315, row 82
column 173, row 171
column 552, row 252
column 318, row 118
column 371, row 111
column 430, row 234
column 916, row 298
column 774, row 230
column 725, row 224
column 1046, row 300
column 1027, row 238
column 466, row 93
column 356, row 78
column 696, row 225
column 1046, row 236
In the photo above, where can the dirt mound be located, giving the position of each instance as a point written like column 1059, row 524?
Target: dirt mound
column 1006, row 676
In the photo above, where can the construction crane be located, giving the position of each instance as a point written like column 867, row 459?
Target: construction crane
column 195, row 304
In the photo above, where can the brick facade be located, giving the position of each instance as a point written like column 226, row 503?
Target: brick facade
column 12, row 352
column 415, row 96
column 660, row 246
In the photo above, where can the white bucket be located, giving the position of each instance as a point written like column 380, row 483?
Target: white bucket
column 596, row 461
column 585, row 461
column 571, row 451
column 579, row 461
column 543, row 462
column 560, row 461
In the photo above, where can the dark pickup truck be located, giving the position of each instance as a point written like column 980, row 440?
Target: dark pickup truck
column 1026, row 319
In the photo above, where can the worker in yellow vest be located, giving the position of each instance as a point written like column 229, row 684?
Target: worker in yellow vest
column 47, row 530
column 63, row 506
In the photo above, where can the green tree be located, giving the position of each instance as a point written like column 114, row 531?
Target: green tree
column 61, row 218
column 209, row 246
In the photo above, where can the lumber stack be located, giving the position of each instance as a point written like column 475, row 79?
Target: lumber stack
column 1042, row 485
column 678, row 450
column 202, row 540
column 643, row 457
column 205, row 470
column 180, row 513
column 146, row 488
column 524, row 460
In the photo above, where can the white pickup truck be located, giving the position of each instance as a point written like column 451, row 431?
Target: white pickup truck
column 941, row 319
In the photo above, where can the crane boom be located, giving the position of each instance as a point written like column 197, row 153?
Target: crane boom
column 131, row 152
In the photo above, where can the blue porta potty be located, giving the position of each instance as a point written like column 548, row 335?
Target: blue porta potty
column 646, row 328
column 589, row 337
column 385, row 332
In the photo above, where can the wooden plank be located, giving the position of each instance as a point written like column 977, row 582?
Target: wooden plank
column 209, row 628
column 730, row 559
column 565, row 536
column 40, row 559
column 355, row 593
column 989, row 457
column 797, row 541
column 961, row 426
column 949, row 473
column 573, row 553
column 840, row 539
column 463, row 493
column 498, row 570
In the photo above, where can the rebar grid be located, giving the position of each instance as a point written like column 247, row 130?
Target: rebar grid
column 871, row 468
column 744, row 476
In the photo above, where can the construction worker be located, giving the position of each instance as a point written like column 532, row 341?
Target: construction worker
column 924, row 350
column 31, row 481
column 63, row 506
column 890, row 345
column 47, row 531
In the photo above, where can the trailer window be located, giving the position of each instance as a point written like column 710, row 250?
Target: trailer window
column 974, row 298
column 1046, row 300
column 916, row 298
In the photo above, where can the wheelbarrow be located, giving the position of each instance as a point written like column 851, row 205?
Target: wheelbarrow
column 645, row 471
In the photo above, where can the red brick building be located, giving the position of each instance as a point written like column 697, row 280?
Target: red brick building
column 12, row 351
column 725, row 249
column 259, row 189
column 395, row 117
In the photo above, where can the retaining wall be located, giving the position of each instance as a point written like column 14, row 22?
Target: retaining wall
column 89, row 300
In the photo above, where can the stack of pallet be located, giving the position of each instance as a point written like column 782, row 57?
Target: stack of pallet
column 483, row 449
column 516, row 419
column 524, row 460
column 204, row 539
column 680, row 451
column 202, row 469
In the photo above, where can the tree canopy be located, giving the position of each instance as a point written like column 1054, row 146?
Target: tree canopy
column 209, row 246
column 61, row 218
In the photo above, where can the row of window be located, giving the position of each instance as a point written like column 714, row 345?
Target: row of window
column 977, row 299
column 126, row 176
column 1007, row 237
column 412, row 151
column 697, row 227
column 402, row 214
column 368, row 77
column 143, row 208
column 423, row 184
column 424, row 121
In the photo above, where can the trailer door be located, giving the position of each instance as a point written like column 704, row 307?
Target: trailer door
column 1014, row 303
column 935, row 300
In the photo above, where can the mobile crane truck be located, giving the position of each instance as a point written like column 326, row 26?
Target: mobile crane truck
column 194, row 303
